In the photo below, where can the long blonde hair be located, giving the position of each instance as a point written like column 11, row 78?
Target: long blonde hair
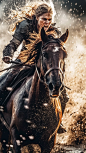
column 31, row 8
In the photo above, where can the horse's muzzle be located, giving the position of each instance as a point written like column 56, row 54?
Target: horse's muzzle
column 54, row 80
column 54, row 89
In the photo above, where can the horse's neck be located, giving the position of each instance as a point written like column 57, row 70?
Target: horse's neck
column 38, row 89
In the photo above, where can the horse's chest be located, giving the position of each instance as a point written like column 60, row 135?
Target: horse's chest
column 37, row 119
column 41, row 116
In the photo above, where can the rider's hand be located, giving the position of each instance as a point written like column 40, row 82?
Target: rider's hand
column 7, row 59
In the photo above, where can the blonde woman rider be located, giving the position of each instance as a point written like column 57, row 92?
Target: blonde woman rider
column 41, row 16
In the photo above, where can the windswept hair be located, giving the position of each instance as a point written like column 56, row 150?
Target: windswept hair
column 29, row 55
column 28, row 11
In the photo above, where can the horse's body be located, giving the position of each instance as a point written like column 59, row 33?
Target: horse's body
column 30, row 113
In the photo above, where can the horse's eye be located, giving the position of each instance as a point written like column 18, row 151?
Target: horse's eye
column 45, row 55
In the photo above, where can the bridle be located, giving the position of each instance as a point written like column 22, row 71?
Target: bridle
column 53, row 68
column 58, row 40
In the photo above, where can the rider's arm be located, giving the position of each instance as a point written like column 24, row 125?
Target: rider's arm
column 21, row 32
column 11, row 47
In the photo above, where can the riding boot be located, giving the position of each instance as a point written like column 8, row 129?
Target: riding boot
column 64, row 98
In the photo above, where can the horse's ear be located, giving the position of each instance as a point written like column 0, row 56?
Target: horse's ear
column 64, row 37
column 44, row 37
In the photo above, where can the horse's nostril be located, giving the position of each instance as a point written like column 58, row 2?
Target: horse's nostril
column 50, row 86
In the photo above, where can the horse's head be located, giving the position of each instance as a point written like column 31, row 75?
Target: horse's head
column 52, row 61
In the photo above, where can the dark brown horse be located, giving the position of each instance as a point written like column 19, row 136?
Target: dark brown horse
column 31, row 115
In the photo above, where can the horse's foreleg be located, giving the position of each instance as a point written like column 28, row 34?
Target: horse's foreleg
column 15, row 140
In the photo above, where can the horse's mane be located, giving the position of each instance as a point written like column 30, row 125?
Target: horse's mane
column 30, row 55
column 33, row 48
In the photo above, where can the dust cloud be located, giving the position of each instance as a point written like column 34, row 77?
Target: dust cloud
column 5, row 37
column 75, row 78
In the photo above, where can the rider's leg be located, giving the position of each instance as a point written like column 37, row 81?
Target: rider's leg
column 2, row 76
column 6, row 80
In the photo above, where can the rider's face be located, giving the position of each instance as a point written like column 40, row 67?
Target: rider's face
column 44, row 21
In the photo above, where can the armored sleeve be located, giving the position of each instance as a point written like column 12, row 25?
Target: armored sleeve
column 21, row 33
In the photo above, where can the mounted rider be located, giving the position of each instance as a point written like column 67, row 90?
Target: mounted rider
column 32, row 21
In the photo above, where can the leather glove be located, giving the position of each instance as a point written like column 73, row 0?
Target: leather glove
column 7, row 59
